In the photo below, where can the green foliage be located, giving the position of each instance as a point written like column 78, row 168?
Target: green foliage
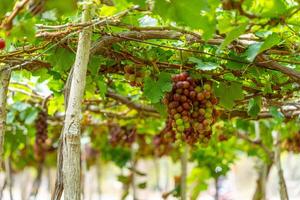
column 118, row 155
column 65, row 7
column 278, row 116
column 61, row 59
column 257, row 48
column 185, row 13
column 228, row 92
column 254, row 106
column 232, row 35
column 200, row 65
column 154, row 90
column 24, row 30
column 102, row 86
column 270, row 8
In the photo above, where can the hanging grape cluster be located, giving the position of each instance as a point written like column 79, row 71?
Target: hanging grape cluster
column 40, row 145
column 191, row 109
column 121, row 136
column 133, row 76
column 292, row 144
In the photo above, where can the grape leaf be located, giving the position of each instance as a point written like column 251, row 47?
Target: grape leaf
column 102, row 86
column 276, row 114
column 254, row 106
column 24, row 28
column 232, row 35
column 62, row 59
column 254, row 49
column 185, row 13
column 62, row 7
column 165, row 82
column 270, row 41
column 228, row 93
column 31, row 116
column 200, row 65
column 154, row 90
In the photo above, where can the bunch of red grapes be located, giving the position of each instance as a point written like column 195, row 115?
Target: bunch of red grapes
column 40, row 145
column 191, row 109
column 134, row 76
column 292, row 144
column 121, row 136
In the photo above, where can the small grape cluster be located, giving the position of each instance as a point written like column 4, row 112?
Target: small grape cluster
column 121, row 136
column 134, row 76
column 224, row 131
column 292, row 144
column 40, row 145
column 191, row 109
column 163, row 142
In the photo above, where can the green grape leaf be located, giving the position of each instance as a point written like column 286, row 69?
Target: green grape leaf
column 154, row 90
column 6, row 6
column 62, row 59
column 102, row 86
column 24, row 28
column 205, row 66
column 228, row 93
column 56, row 104
column 254, row 106
column 20, row 106
column 93, row 66
column 10, row 117
column 42, row 74
column 276, row 114
column 232, row 35
column 254, row 49
column 161, row 108
column 165, row 82
column 271, row 40
column 274, row 8
column 62, row 7
column 31, row 116
column 185, row 13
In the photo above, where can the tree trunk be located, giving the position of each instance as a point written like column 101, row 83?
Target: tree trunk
column 71, row 128
column 4, row 80
column 37, row 182
column 217, row 188
column 59, row 186
column 9, row 178
column 282, row 185
column 156, row 163
column 2, row 188
column 99, row 176
column 133, row 166
column 183, row 159
column 263, row 174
